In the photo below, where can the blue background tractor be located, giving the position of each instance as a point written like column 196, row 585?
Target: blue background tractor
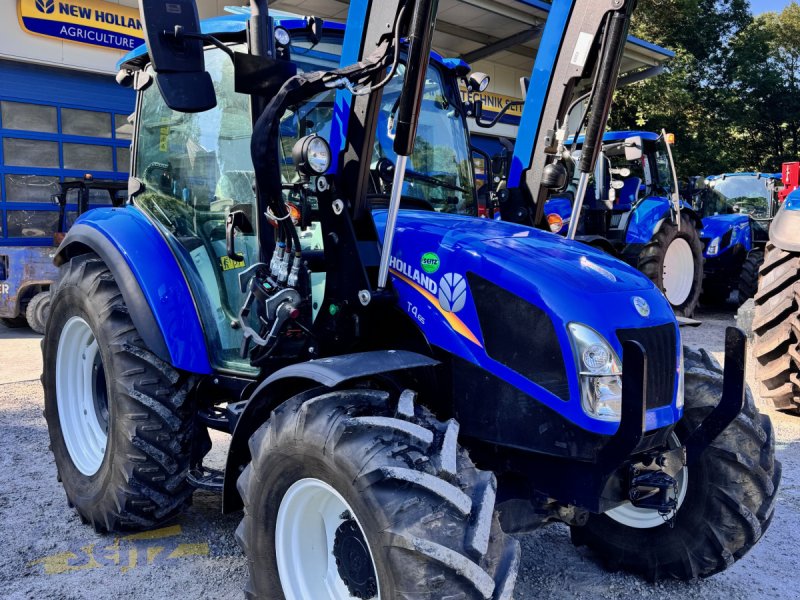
column 361, row 344
column 737, row 209
column 630, row 213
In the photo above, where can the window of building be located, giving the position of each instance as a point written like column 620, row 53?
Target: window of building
column 29, row 117
column 86, row 123
column 86, row 157
column 31, row 188
column 19, row 152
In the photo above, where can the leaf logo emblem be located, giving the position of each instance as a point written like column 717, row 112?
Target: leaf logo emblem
column 47, row 7
column 452, row 292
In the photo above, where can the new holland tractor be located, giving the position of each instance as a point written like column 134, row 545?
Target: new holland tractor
column 366, row 348
column 632, row 212
column 776, row 321
column 737, row 210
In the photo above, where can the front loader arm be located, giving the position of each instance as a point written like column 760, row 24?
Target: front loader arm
column 575, row 45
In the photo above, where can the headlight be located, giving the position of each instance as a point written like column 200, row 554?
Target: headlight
column 312, row 155
column 713, row 247
column 599, row 372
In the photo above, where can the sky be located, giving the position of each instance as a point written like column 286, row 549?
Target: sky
column 760, row 6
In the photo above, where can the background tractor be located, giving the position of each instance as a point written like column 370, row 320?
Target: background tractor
column 631, row 212
column 27, row 272
column 776, row 319
column 317, row 299
column 737, row 209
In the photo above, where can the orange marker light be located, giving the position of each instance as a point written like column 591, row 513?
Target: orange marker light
column 556, row 222
column 670, row 139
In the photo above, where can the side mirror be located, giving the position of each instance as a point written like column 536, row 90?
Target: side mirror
column 633, row 148
column 172, row 31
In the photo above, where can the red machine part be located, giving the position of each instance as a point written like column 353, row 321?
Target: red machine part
column 790, row 176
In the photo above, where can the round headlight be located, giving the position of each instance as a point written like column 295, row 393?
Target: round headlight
column 282, row 37
column 597, row 358
column 477, row 82
column 312, row 155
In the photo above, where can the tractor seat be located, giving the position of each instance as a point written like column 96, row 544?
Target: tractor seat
column 629, row 194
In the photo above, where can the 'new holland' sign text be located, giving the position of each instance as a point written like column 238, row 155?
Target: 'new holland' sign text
column 91, row 22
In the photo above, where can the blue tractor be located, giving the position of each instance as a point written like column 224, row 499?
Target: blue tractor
column 362, row 343
column 776, row 321
column 737, row 209
column 631, row 212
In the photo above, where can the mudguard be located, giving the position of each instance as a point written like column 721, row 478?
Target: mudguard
column 150, row 279
column 785, row 229
column 298, row 378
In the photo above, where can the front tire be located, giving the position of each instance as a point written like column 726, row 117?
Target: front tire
column 346, row 497
column 776, row 326
column 728, row 500
column 748, row 278
column 120, row 419
column 673, row 261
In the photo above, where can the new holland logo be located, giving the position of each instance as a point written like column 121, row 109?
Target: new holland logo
column 47, row 7
column 641, row 306
column 452, row 292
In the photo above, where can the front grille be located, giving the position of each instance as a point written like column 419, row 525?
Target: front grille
column 659, row 344
column 519, row 335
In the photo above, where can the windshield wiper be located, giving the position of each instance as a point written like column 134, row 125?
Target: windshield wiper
column 432, row 180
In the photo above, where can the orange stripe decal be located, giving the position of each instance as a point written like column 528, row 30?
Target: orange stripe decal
column 456, row 323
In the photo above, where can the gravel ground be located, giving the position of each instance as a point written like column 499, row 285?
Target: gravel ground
column 47, row 553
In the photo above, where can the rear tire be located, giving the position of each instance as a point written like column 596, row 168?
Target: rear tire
column 776, row 326
column 669, row 251
column 37, row 311
column 121, row 421
column 729, row 497
column 419, row 513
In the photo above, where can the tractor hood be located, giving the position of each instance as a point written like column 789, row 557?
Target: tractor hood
column 542, row 259
column 464, row 279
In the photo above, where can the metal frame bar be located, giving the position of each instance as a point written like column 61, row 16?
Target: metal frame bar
column 488, row 50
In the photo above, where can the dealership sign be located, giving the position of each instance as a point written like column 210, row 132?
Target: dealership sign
column 91, row 22
column 494, row 103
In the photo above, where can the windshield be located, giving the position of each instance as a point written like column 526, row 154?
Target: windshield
column 439, row 172
column 746, row 194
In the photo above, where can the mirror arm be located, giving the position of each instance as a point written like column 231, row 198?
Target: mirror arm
column 179, row 34
column 489, row 124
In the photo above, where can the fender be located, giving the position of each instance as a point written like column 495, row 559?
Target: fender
column 312, row 377
column 151, row 281
column 785, row 229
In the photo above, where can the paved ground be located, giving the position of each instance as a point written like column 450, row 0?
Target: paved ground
column 45, row 551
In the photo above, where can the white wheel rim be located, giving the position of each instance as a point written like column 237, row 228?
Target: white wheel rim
column 678, row 273
column 76, row 393
column 646, row 518
column 309, row 515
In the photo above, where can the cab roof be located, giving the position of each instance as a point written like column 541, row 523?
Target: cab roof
column 744, row 174
column 232, row 27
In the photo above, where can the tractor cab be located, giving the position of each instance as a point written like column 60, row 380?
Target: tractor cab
column 77, row 196
column 195, row 169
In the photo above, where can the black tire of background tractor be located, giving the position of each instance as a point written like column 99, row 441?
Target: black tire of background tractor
column 37, row 311
column 730, row 496
column 776, row 326
column 651, row 260
column 15, row 323
column 142, row 480
column 748, row 279
column 426, row 511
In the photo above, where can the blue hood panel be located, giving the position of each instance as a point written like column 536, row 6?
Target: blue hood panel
column 570, row 281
